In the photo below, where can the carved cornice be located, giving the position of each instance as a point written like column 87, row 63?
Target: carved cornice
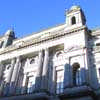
column 95, row 32
column 41, row 39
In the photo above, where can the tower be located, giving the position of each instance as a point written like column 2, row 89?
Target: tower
column 75, row 17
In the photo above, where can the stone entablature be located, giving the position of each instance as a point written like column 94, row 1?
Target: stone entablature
column 39, row 40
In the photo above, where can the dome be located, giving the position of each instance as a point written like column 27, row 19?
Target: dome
column 75, row 7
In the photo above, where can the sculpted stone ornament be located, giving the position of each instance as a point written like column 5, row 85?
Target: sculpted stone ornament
column 71, row 48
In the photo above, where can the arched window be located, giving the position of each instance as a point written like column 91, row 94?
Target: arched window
column 73, row 20
column 32, row 61
column 8, row 66
column 58, row 54
column 76, row 74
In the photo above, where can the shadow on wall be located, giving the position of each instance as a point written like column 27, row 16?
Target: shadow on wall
column 74, row 76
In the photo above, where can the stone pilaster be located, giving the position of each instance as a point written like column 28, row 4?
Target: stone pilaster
column 45, row 71
column 39, row 71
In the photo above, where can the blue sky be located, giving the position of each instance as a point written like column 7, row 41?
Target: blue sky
column 27, row 16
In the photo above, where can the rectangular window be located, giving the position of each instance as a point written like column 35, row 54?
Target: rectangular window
column 31, row 84
column 59, row 81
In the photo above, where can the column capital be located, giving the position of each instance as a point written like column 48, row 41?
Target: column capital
column 18, row 58
column 13, row 60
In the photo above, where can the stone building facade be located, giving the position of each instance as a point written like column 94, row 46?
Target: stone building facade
column 59, row 63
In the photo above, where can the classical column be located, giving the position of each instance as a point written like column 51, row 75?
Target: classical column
column 15, row 75
column 9, row 77
column 68, row 75
column 83, row 76
column 53, row 86
column 16, row 69
column 45, row 71
column 11, row 70
column 86, row 65
column 39, row 71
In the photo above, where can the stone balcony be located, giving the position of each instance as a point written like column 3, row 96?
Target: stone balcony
column 33, row 96
column 79, row 91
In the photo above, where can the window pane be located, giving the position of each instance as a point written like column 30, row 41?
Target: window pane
column 31, row 83
column 60, row 79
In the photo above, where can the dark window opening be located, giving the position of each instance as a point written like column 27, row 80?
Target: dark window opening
column 73, row 20
column 8, row 67
column 76, row 74
column 32, row 61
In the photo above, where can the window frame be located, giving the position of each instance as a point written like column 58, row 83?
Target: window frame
column 59, row 87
